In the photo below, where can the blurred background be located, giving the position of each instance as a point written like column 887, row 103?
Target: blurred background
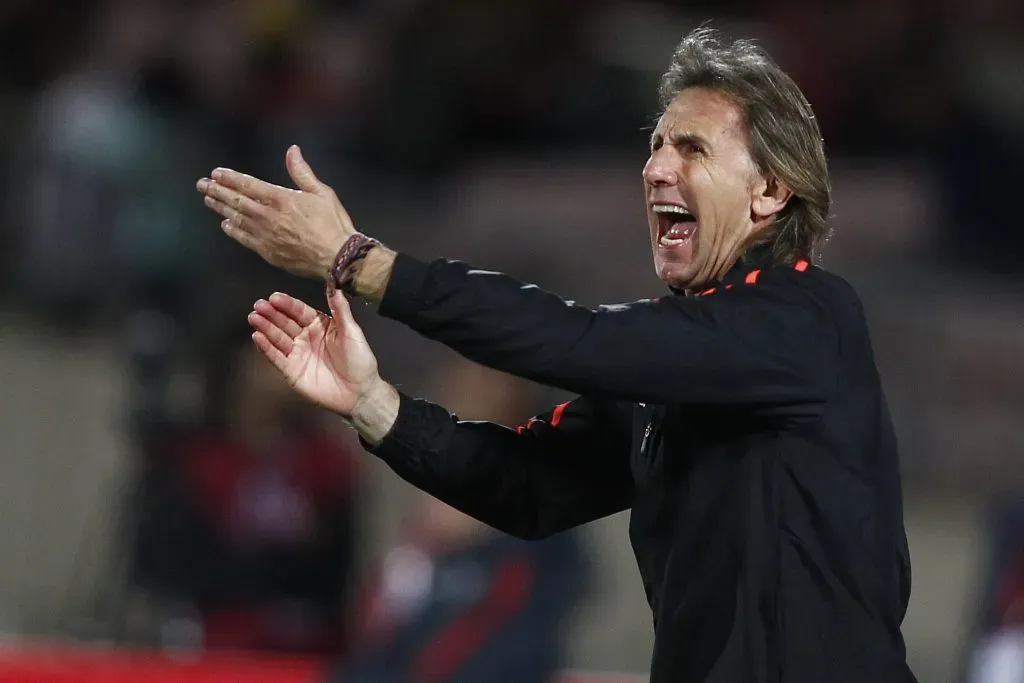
column 165, row 503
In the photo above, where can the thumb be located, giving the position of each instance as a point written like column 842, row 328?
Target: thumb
column 300, row 171
column 341, row 311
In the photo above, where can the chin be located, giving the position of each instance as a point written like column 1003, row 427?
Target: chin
column 677, row 275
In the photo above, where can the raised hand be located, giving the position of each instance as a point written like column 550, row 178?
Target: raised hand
column 299, row 230
column 325, row 358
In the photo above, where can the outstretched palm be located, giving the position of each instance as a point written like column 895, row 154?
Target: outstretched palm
column 325, row 358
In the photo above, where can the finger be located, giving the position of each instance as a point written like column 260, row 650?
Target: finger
column 234, row 224
column 279, row 319
column 260, row 190
column 236, row 200
column 301, row 172
column 340, row 308
column 278, row 337
column 224, row 210
column 235, row 229
column 343, row 318
column 272, row 353
column 297, row 310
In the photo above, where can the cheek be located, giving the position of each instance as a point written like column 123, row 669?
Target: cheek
column 720, row 195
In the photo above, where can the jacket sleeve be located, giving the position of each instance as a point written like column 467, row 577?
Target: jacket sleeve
column 772, row 344
column 565, row 468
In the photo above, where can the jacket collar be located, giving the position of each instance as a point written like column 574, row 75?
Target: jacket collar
column 755, row 258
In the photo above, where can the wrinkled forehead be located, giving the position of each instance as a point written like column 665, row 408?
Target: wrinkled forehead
column 703, row 112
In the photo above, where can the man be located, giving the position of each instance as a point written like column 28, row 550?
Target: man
column 741, row 419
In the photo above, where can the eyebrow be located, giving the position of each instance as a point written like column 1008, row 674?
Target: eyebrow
column 680, row 138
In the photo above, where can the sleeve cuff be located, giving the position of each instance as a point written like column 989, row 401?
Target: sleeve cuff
column 411, row 425
column 405, row 286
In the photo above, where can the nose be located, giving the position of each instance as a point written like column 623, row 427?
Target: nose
column 659, row 171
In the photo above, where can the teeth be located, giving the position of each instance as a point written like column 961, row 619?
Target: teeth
column 671, row 208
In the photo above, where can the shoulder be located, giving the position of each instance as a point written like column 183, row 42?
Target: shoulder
column 834, row 292
column 779, row 296
column 787, row 302
column 809, row 284
column 838, row 309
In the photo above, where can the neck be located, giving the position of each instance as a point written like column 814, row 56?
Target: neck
column 757, row 254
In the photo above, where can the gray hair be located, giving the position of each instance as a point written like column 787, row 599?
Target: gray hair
column 781, row 128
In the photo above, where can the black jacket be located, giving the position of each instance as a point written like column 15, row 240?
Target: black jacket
column 745, row 428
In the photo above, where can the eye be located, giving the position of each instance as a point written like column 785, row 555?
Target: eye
column 692, row 148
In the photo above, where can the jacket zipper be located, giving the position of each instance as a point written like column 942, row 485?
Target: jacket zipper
column 647, row 435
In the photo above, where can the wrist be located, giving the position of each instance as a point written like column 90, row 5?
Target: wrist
column 375, row 411
column 372, row 273
column 346, row 262
column 325, row 265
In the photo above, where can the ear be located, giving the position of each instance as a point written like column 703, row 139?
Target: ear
column 770, row 196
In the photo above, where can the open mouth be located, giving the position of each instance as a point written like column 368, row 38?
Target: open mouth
column 676, row 224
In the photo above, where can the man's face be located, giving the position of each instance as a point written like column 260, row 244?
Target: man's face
column 704, row 194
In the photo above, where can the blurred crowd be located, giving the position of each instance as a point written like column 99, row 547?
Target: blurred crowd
column 111, row 108
column 246, row 538
column 508, row 132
